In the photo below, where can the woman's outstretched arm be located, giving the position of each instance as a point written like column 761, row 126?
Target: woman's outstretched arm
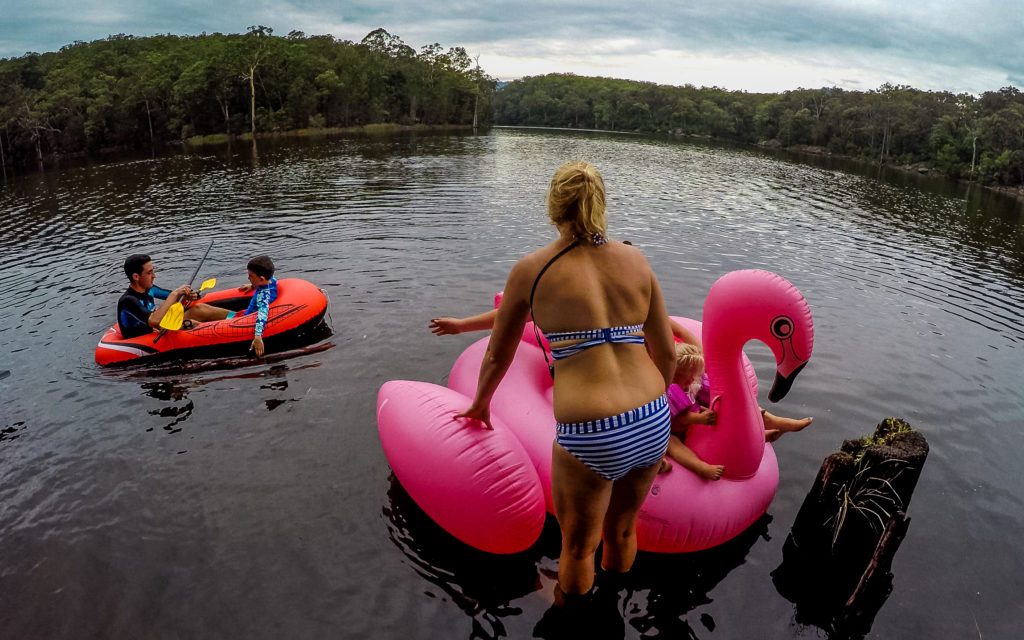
column 508, row 328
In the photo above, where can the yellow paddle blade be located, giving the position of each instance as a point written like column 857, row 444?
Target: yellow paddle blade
column 208, row 284
column 174, row 317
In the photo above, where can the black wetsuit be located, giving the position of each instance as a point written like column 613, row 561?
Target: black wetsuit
column 133, row 309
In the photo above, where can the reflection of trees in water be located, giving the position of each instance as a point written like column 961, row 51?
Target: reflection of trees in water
column 652, row 598
column 481, row 584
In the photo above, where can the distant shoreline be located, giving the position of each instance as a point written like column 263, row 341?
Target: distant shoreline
column 918, row 168
column 574, row 129
column 370, row 129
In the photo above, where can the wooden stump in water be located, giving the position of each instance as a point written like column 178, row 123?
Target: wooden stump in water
column 837, row 558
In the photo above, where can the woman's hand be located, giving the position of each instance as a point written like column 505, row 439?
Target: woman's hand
column 445, row 326
column 480, row 414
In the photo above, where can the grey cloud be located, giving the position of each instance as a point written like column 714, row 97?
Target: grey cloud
column 934, row 31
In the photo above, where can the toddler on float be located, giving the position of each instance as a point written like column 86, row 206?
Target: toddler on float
column 689, row 395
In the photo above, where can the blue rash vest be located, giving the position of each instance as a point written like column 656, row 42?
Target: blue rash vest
column 260, row 304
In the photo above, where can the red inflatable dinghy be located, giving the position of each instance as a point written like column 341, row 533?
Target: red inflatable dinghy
column 298, row 309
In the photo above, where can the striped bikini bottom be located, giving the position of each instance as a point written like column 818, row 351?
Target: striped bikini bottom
column 612, row 447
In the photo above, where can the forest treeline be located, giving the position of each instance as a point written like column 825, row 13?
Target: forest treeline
column 962, row 136
column 128, row 92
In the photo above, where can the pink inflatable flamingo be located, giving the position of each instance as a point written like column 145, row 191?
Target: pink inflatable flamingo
column 682, row 512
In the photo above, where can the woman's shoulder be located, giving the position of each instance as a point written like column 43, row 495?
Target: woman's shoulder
column 627, row 248
column 527, row 268
column 626, row 256
column 622, row 254
column 536, row 259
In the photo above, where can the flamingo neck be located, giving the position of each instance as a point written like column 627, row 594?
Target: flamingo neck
column 739, row 417
column 728, row 376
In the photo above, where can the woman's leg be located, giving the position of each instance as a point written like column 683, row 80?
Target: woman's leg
column 619, row 527
column 581, row 499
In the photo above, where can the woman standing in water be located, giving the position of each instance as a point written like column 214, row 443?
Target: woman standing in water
column 596, row 301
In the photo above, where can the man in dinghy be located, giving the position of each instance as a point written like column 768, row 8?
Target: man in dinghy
column 137, row 311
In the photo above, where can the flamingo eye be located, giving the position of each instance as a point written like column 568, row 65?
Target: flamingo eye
column 782, row 327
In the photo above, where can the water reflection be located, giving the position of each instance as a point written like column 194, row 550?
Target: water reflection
column 822, row 595
column 12, row 431
column 652, row 598
column 483, row 585
column 166, row 383
column 133, row 370
column 661, row 588
column 171, row 391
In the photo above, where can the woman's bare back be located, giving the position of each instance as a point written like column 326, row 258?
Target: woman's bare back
column 594, row 287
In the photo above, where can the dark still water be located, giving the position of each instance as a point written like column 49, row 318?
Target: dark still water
column 252, row 499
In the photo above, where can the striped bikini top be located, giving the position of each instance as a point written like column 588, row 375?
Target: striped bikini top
column 590, row 337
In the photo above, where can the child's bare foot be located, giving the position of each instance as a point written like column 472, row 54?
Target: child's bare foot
column 665, row 466
column 710, row 471
column 771, row 435
column 784, row 424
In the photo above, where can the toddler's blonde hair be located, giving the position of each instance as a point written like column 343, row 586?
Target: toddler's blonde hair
column 689, row 357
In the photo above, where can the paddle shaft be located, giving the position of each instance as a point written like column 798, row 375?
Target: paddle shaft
column 198, row 267
column 190, row 281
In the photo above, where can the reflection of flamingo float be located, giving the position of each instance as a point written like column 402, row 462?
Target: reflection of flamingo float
column 491, row 488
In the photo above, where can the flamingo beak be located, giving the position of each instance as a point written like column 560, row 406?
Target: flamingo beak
column 782, row 383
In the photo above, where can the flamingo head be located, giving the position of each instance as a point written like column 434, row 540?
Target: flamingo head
column 790, row 360
column 759, row 305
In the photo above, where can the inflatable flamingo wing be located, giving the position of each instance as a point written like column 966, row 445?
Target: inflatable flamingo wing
column 479, row 484
column 742, row 306
column 525, row 396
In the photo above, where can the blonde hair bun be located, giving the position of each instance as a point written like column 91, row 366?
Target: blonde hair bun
column 576, row 197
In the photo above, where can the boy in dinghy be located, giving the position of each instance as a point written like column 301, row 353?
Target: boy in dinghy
column 261, row 279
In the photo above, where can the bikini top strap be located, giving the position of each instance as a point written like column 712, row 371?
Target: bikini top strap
column 572, row 245
column 536, row 331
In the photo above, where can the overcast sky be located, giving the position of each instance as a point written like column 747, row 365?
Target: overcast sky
column 752, row 45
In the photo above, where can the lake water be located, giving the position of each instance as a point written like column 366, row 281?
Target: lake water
column 251, row 499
